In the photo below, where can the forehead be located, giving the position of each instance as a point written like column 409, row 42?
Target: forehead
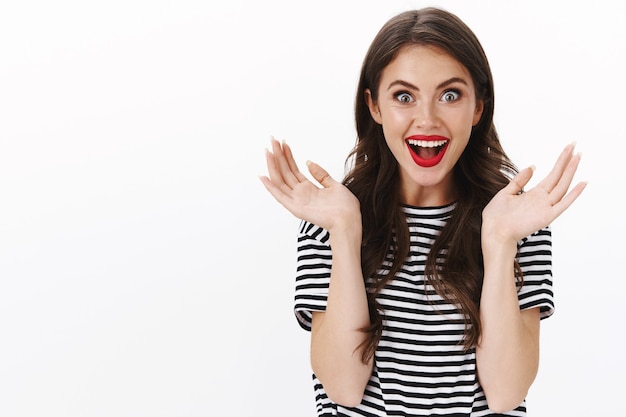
column 423, row 65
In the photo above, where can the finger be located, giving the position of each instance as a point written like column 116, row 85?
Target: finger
column 282, row 165
column 564, row 182
column 549, row 182
column 273, row 189
column 274, row 173
column 292, row 163
column 279, row 196
column 518, row 182
column 320, row 174
column 569, row 198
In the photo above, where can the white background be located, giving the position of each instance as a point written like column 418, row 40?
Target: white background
column 144, row 270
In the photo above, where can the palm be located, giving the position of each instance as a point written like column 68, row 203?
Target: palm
column 513, row 215
column 327, row 207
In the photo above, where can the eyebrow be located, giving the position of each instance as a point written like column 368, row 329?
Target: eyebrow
column 441, row 85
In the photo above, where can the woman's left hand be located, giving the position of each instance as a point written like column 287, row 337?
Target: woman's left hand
column 512, row 214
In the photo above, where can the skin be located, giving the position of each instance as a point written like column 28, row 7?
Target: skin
column 335, row 334
column 507, row 356
column 427, row 92
column 508, row 352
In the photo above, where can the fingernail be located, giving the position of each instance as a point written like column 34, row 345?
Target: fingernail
column 308, row 163
column 532, row 168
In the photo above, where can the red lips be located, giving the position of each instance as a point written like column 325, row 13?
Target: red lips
column 427, row 151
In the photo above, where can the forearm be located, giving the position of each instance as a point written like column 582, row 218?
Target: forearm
column 507, row 356
column 337, row 333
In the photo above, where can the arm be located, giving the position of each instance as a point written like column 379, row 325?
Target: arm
column 508, row 352
column 335, row 334
column 507, row 355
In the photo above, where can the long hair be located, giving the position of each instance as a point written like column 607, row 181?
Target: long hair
column 482, row 170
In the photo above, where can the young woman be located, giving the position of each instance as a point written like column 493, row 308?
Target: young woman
column 423, row 275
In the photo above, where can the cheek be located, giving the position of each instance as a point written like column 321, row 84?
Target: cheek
column 394, row 138
column 397, row 119
column 465, row 122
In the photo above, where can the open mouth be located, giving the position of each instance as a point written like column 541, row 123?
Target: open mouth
column 427, row 152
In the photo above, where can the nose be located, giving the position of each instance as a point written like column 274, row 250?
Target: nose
column 425, row 116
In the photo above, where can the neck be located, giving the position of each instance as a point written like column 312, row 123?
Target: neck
column 428, row 196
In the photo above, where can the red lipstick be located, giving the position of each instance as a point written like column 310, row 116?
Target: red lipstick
column 427, row 151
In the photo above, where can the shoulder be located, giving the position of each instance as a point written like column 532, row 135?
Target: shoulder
column 541, row 238
column 309, row 231
column 544, row 234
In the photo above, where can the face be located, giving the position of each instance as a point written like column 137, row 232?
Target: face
column 427, row 107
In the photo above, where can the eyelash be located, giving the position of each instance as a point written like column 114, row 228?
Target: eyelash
column 453, row 91
column 457, row 93
column 402, row 93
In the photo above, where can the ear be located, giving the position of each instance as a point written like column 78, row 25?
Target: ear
column 374, row 110
column 478, row 112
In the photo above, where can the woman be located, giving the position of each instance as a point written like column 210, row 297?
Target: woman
column 423, row 276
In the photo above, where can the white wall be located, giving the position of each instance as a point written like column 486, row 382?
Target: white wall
column 144, row 270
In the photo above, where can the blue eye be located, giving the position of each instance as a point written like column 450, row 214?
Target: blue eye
column 404, row 97
column 450, row 95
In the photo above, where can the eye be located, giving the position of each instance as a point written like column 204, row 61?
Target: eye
column 450, row 95
column 404, row 97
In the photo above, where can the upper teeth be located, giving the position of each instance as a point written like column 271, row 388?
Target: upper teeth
column 427, row 143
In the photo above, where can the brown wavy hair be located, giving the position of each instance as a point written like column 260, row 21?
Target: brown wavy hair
column 482, row 170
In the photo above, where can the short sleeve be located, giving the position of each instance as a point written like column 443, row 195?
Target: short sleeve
column 535, row 260
column 313, row 272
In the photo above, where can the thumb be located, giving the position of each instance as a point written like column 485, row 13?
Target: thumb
column 320, row 174
column 518, row 182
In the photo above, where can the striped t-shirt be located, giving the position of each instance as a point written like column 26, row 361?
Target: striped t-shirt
column 420, row 366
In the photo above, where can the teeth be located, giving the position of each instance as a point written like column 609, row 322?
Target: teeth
column 426, row 143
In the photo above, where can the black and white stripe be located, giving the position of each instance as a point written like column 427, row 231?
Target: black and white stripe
column 421, row 368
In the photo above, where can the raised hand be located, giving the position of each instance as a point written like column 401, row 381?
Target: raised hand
column 512, row 215
column 330, row 206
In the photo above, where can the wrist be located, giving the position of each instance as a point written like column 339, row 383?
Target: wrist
column 349, row 232
column 498, row 244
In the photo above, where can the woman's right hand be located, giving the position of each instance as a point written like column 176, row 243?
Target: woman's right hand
column 332, row 206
